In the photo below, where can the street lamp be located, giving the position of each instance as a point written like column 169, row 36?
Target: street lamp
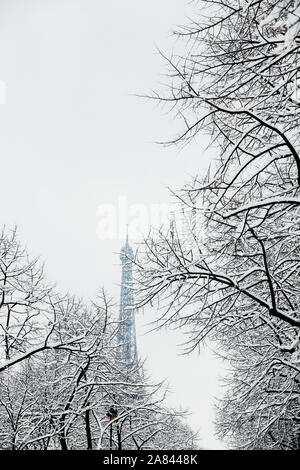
column 112, row 414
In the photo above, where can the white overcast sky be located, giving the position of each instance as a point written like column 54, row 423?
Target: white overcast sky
column 73, row 137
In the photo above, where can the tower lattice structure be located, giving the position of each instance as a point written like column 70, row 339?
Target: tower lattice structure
column 127, row 350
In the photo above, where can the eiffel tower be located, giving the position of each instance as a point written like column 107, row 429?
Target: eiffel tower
column 127, row 351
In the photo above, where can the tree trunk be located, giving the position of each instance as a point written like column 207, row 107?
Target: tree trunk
column 88, row 429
